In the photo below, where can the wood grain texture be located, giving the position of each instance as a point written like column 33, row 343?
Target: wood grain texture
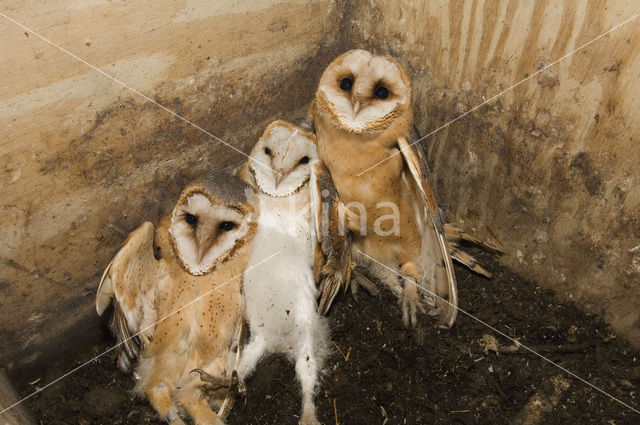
column 84, row 160
column 549, row 170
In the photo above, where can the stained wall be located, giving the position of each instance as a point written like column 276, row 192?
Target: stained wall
column 548, row 170
column 84, row 160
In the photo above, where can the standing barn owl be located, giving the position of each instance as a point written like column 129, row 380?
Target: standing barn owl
column 363, row 120
column 178, row 313
column 280, row 302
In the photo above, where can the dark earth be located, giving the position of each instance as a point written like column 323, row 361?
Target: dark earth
column 378, row 373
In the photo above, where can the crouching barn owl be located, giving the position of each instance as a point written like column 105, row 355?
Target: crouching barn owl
column 280, row 300
column 178, row 313
column 363, row 120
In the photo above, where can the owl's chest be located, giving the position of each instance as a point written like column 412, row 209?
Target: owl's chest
column 365, row 171
column 201, row 311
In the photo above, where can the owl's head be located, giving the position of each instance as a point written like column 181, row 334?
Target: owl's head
column 211, row 220
column 364, row 93
column 281, row 159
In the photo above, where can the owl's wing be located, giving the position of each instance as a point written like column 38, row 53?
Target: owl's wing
column 456, row 237
column 130, row 283
column 332, row 237
column 434, row 242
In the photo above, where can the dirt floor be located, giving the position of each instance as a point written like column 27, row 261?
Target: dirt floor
column 378, row 374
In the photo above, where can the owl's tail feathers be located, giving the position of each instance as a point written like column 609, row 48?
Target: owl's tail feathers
column 334, row 276
column 335, row 244
column 456, row 237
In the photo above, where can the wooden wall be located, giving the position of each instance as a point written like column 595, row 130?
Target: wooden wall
column 550, row 171
column 84, row 160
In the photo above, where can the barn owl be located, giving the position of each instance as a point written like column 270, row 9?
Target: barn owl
column 363, row 120
column 280, row 302
column 178, row 313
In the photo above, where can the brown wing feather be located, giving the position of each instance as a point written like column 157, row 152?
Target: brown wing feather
column 130, row 282
column 334, row 241
column 419, row 171
column 456, row 235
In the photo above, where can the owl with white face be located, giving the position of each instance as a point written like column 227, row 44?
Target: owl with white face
column 363, row 120
column 179, row 312
column 280, row 301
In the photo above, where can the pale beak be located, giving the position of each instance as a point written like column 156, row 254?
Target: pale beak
column 204, row 239
column 356, row 107
column 279, row 175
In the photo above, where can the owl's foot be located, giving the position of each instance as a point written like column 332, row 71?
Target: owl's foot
column 174, row 419
column 435, row 311
column 411, row 304
column 359, row 280
column 211, row 384
column 308, row 419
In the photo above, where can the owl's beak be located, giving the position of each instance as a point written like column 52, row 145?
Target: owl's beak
column 204, row 239
column 279, row 175
column 356, row 107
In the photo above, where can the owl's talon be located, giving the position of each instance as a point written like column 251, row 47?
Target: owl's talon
column 214, row 383
column 309, row 419
column 174, row 419
column 410, row 301
column 359, row 280
column 435, row 311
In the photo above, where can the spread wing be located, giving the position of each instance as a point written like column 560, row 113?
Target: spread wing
column 332, row 237
column 130, row 283
column 435, row 250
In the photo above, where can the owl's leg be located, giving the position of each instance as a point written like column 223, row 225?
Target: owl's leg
column 409, row 298
column 307, row 370
column 160, row 398
column 251, row 355
column 198, row 408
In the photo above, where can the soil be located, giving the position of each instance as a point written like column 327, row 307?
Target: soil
column 378, row 373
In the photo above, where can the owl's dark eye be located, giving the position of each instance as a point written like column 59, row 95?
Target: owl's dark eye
column 225, row 226
column 346, row 84
column 267, row 151
column 304, row 160
column 191, row 219
column 381, row 92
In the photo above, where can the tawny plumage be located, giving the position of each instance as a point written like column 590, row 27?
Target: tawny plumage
column 456, row 237
column 180, row 312
column 363, row 117
column 280, row 300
